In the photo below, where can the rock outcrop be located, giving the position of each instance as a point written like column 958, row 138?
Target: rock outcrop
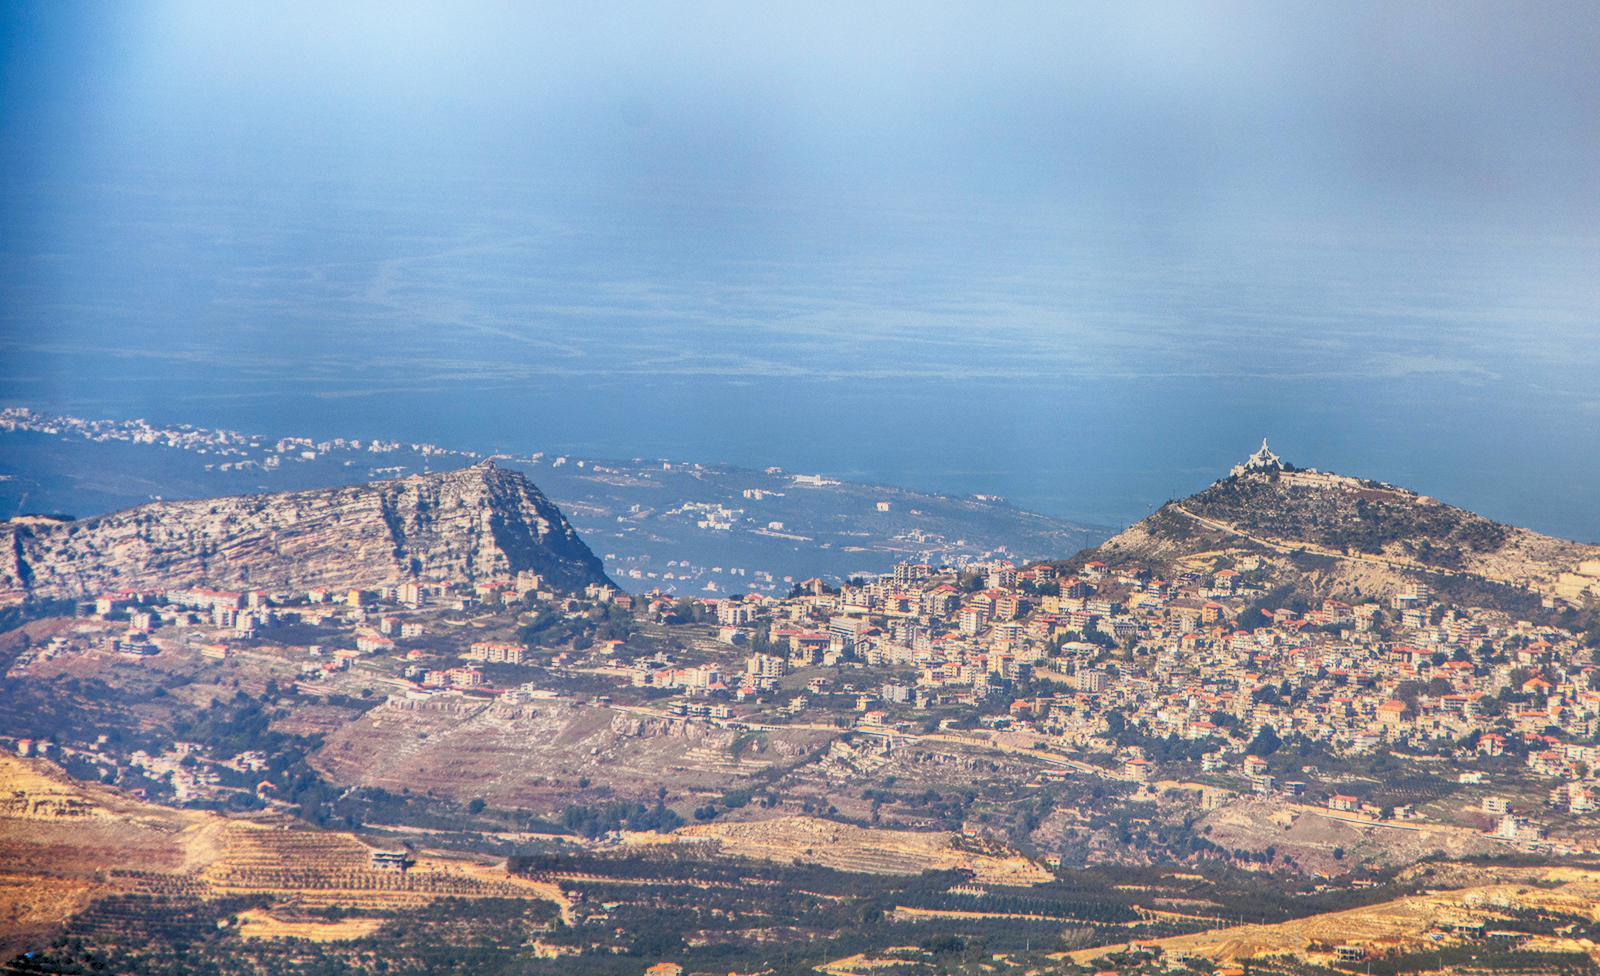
column 468, row 525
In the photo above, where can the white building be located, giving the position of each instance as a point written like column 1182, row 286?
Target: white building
column 1262, row 460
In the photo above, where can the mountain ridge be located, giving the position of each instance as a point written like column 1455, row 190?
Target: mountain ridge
column 642, row 516
column 462, row 526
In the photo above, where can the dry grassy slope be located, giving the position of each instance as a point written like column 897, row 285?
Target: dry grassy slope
column 54, row 822
column 64, row 843
column 1399, row 924
column 1377, row 536
column 850, row 848
column 1310, row 835
column 533, row 756
column 61, row 838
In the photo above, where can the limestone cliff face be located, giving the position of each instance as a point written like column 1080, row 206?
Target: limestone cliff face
column 473, row 524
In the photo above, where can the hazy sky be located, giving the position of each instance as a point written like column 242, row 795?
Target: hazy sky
column 1187, row 107
column 1082, row 255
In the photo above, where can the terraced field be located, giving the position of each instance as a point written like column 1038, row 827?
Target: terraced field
column 855, row 849
column 68, row 844
column 1433, row 920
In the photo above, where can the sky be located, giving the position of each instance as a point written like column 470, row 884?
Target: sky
column 1081, row 255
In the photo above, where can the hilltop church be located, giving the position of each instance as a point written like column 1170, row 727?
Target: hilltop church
column 1262, row 460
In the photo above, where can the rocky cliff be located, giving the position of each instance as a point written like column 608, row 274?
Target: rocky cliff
column 467, row 525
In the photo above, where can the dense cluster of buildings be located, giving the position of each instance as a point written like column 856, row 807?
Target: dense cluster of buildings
column 370, row 613
column 1113, row 648
column 1123, row 649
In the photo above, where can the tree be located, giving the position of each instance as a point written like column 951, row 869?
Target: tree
column 1250, row 618
column 1265, row 743
column 944, row 944
column 1100, row 637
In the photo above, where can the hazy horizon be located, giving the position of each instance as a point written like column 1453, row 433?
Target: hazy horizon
column 1082, row 257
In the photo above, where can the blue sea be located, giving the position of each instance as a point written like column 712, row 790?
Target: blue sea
column 982, row 256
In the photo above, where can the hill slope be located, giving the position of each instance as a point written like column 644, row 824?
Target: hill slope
column 1348, row 535
column 65, row 843
column 462, row 525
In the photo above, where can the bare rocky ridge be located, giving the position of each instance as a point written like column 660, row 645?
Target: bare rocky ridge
column 467, row 525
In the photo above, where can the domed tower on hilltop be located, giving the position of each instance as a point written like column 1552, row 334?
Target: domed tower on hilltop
column 1262, row 460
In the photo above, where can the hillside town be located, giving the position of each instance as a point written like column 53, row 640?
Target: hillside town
column 1172, row 658
column 1089, row 665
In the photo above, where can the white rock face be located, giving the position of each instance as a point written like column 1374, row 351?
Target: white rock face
column 469, row 525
